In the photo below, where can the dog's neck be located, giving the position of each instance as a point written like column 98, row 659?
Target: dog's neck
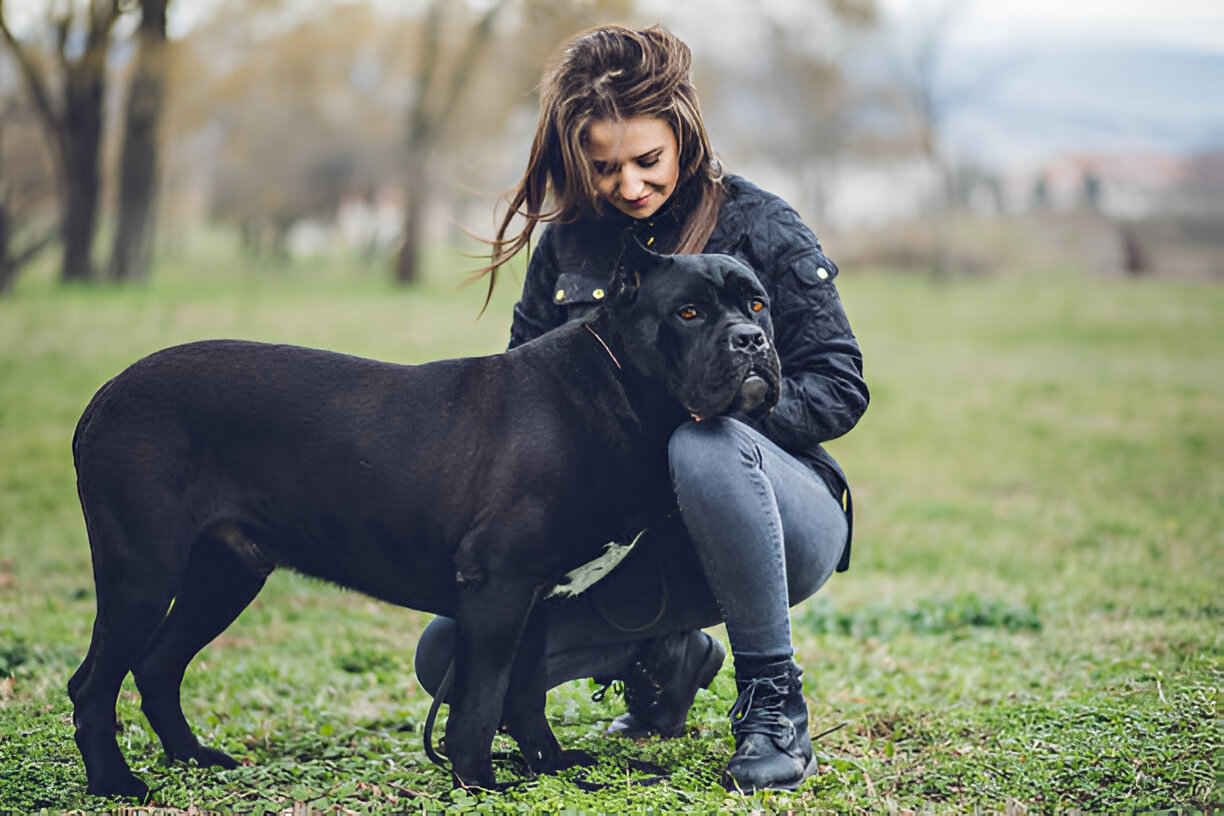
column 646, row 398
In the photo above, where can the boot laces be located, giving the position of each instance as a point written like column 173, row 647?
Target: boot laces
column 615, row 686
column 641, row 690
column 758, row 709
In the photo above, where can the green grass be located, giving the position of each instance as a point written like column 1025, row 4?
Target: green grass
column 1032, row 620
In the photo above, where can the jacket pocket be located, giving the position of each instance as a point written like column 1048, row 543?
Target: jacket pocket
column 579, row 293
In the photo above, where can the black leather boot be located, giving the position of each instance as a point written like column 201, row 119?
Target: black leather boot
column 769, row 721
column 661, row 683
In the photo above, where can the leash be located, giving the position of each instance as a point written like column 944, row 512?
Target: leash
column 829, row 731
column 595, row 334
column 444, row 689
column 448, row 680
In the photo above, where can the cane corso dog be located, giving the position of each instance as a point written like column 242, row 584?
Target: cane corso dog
column 464, row 487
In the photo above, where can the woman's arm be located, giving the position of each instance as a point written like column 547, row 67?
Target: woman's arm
column 823, row 390
column 536, row 313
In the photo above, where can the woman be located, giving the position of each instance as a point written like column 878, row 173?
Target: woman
column 763, row 513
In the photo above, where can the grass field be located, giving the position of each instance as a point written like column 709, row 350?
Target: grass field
column 1033, row 620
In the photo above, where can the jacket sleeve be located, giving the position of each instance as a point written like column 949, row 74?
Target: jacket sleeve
column 536, row 313
column 823, row 392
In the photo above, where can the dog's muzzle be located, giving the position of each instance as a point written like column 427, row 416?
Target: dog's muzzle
column 753, row 393
column 751, row 342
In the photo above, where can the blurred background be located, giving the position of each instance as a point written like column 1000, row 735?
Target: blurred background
column 946, row 137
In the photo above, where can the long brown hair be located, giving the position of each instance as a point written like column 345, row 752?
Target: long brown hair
column 609, row 72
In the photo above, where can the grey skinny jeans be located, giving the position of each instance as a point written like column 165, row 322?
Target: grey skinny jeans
column 757, row 532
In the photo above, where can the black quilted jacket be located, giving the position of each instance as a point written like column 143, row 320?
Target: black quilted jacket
column 823, row 391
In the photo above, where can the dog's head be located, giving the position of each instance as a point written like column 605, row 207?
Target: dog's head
column 699, row 324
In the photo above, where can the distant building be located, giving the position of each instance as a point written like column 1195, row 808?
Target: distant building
column 1121, row 185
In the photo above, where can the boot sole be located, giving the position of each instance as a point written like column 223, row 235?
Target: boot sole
column 810, row 770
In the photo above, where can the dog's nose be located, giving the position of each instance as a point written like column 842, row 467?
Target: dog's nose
column 748, row 338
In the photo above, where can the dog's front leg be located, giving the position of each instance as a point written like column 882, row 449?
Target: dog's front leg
column 523, row 714
column 491, row 617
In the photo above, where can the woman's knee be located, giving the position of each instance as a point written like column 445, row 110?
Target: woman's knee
column 698, row 449
column 812, row 555
column 806, row 581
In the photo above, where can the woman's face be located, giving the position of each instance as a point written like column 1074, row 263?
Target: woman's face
column 635, row 161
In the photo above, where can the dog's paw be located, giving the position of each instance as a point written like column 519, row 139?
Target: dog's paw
column 120, row 785
column 573, row 758
column 211, row 757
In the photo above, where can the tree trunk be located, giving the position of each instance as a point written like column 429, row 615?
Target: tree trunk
column 8, row 270
column 84, row 95
column 426, row 123
column 76, row 131
column 407, row 262
column 131, row 252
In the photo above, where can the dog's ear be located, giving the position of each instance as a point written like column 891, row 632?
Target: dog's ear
column 635, row 260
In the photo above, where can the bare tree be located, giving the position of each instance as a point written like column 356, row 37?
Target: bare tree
column 933, row 99
column 12, row 260
column 24, row 187
column 813, row 110
column 74, row 127
column 408, row 109
column 138, row 169
column 299, row 116
column 431, row 110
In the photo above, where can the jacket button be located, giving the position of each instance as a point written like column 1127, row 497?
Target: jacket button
column 822, row 273
column 559, row 296
column 599, row 294
column 650, row 240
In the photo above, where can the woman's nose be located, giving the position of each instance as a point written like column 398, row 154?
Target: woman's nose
column 631, row 186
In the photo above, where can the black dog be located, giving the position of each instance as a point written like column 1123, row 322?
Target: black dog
column 462, row 487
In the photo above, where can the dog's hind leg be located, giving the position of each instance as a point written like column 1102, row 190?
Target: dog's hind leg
column 223, row 576
column 132, row 597
column 79, row 676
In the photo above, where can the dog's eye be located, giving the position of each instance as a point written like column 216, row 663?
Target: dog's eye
column 756, row 304
column 686, row 312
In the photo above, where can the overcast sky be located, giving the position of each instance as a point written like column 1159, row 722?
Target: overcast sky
column 1197, row 24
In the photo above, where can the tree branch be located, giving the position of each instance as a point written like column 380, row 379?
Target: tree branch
column 62, row 25
column 431, row 36
column 478, row 39
column 36, row 246
column 34, row 83
column 102, row 17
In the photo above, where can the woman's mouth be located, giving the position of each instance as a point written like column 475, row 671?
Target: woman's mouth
column 638, row 203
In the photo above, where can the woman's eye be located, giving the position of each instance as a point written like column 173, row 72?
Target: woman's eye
column 686, row 313
column 648, row 163
column 756, row 304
